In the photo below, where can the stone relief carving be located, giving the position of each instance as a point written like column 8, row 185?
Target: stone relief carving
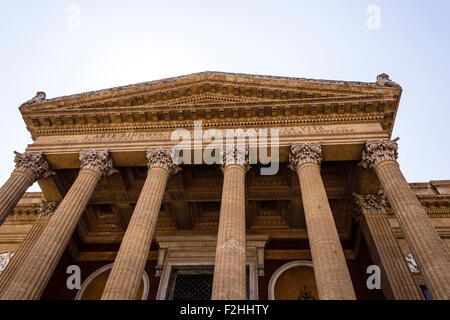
column 39, row 97
column 304, row 152
column 4, row 260
column 384, row 81
column 97, row 160
column 33, row 164
column 412, row 263
column 160, row 157
column 376, row 152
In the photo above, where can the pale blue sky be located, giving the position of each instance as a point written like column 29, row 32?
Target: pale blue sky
column 118, row 43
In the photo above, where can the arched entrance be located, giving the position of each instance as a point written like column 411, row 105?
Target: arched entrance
column 92, row 287
column 293, row 281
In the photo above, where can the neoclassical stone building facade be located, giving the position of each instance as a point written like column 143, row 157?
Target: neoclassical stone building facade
column 120, row 210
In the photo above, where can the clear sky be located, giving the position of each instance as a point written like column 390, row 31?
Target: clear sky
column 67, row 47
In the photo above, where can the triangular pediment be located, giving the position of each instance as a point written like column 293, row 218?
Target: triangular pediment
column 211, row 95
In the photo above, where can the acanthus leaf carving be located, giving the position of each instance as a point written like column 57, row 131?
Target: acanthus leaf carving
column 301, row 153
column 97, row 160
column 47, row 210
column 370, row 203
column 163, row 158
column 235, row 154
column 32, row 164
column 376, row 152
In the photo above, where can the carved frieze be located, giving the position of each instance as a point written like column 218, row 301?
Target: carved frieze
column 301, row 153
column 97, row 160
column 376, row 152
column 32, row 164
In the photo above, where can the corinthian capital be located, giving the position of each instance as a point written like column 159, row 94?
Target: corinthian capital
column 236, row 154
column 160, row 157
column 370, row 203
column 32, row 164
column 301, row 153
column 47, row 210
column 376, row 152
column 97, row 160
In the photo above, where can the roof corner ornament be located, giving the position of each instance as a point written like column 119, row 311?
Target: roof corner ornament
column 384, row 81
column 39, row 97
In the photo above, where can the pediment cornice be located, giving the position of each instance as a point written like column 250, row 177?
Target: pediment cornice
column 211, row 96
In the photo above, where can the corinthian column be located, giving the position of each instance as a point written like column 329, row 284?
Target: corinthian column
column 330, row 268
column 29, row 168
column 397, row 281
column 427, row 247
column 126, row 274
column 31, row 278
column 229, row 282
column 19, row 256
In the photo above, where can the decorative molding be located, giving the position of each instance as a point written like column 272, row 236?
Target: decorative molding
column 97, row 160
column 200, row 250
column 32, row 164
column 209, row 80
column 160, row 261
column 162, row 158
column 376, row 152
column 213, row 97
column 301, row 153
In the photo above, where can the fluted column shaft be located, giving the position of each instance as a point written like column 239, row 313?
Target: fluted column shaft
column 397, row 281
column 426, row 245
column 126, row 274
column 31, row 278
column 11, row 192
column 24, row 249
column 229, row 281
column 29, row 168
column 428, row 249
column 330, row 267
